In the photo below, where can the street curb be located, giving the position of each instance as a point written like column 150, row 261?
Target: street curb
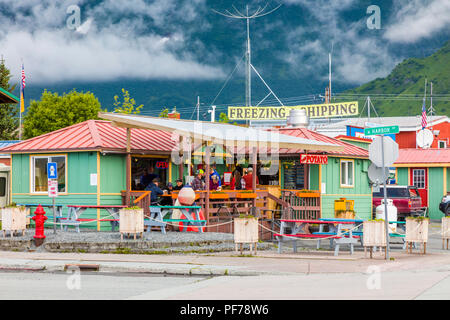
column 147, row 268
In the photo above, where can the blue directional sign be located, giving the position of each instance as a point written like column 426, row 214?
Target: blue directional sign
column 52, row 172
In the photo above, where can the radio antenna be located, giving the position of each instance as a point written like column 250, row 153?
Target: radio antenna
column 260, row 12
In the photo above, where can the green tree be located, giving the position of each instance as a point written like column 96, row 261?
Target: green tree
column 223, row 118
column 164, row 113
column 128, row 104
column 8, row 112
column 54, row 112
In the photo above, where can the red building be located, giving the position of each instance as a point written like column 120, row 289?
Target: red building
column 440, row 126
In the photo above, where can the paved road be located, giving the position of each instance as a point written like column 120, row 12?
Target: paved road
column 430, row 284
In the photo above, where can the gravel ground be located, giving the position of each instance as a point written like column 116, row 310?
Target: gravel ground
column 172, row 242
column 104, row 236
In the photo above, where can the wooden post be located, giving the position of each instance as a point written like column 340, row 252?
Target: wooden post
column 207, row 160
column 254, row 159
column 128, row 168
column 181, row 166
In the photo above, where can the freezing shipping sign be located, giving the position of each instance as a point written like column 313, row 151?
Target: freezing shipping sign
column 341, row 109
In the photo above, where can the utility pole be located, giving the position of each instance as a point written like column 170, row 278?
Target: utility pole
column 198, row 108
column 213, row 113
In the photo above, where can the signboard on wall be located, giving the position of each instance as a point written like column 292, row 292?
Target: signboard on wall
column 339, row 109
column 313, row 159
column 52, row 188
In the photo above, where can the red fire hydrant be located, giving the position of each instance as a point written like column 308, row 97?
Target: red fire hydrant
column 39, row 220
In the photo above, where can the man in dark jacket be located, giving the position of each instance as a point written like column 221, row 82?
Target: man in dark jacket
column 155, row 189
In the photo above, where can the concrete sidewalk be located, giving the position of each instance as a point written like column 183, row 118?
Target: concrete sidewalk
column 226, row 263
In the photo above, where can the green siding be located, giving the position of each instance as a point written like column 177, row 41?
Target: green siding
column 112, row 173
column 363, row 206
column 402, row 176
column 314, row 177
column 20, row 173
column 80, row 166
column 331, row 177
column 435, row 192
column 448, row 179
column 361, row 193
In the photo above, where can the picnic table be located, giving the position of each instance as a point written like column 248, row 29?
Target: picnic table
column 359, row 230
column 59, row 209
column 337, row 234
column 75, row 211
column 157, row 214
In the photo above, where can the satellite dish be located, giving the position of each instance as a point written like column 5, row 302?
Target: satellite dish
column 377, row 175
column 424, row 138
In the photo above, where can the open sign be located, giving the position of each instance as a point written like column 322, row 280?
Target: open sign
column 162, row 165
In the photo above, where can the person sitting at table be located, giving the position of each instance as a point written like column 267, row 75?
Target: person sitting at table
column 179, row 185
column 214, row 183
column 213, row 172
column 236, row 181
column 169, row 188
column 167, row 201
column 248, row 178
column 148, row 177
column 155, row 191
column 197, row 183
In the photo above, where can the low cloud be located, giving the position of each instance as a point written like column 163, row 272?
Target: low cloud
column 418, row 20
column 102, row 47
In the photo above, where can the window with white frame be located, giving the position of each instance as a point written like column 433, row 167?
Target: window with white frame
column 347, row 173
column 419, row 178
column 442, row 144
column 39, row 183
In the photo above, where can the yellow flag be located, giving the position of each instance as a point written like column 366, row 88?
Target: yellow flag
column 22, row 103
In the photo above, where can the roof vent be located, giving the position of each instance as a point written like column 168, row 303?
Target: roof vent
column 298, row 118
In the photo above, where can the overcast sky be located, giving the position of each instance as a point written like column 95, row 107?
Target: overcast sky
column 112, row 41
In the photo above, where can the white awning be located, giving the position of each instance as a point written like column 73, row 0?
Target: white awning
column 219, row 133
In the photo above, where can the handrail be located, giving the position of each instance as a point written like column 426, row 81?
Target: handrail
column 146, row 193
column 278, row 200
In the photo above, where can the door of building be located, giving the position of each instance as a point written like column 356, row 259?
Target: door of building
column 3, row 189
column 419, row 179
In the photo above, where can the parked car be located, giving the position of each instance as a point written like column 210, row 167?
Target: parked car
column 444, row 206
column 405, row 198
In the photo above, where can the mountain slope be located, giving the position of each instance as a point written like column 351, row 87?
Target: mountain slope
column 401, row 93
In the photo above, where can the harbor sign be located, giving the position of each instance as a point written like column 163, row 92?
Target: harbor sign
column 381, row 130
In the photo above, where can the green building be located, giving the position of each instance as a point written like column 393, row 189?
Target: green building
column 91, row 159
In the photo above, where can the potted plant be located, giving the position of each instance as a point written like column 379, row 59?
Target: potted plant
column 445, row 230
column 14, row 218
column 246, row 194
column 218, row 195
column 304, row 193
column 417, row 231
column 131, row 221
column 246, row 231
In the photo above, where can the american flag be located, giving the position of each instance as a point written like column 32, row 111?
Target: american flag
column 23, row 78
column 424, row 115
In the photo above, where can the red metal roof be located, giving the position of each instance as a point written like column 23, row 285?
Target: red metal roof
column 349, row 149
column 97, row 135
column 431, row 156
column 344, row 137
